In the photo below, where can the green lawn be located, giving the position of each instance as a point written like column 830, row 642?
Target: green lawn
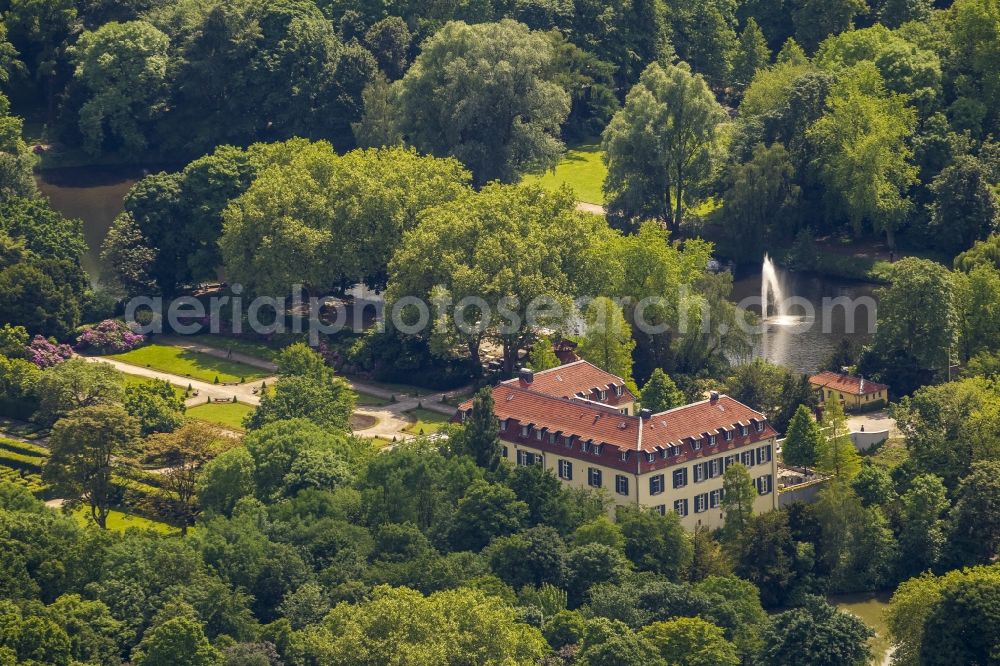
column 131, row 381
column 425, row 422
column 226, row 414
column 191, row 364
column 582, row 169
column 369, row 400
column 120, row 521
column 248, row 347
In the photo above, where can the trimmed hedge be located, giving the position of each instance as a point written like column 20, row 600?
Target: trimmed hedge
column 23, row 448
column 21, row 461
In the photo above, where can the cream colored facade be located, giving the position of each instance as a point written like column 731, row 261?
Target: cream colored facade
column 703, row 497
column 852, row 400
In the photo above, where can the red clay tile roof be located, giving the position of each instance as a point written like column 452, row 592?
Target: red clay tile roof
column 568, row 380
column 698, row 420
column 571, row 417
column 846, row 383
column 601, row 424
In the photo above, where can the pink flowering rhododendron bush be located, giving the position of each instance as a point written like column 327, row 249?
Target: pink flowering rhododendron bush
column 111, row 336
column 45, row 353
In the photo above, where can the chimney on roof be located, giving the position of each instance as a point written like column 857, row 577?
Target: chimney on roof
column 862, row 385
column 526, row 375
column 645, row 413
column 713, row 396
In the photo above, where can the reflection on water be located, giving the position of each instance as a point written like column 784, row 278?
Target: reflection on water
column 805, row 336
column 92, row 194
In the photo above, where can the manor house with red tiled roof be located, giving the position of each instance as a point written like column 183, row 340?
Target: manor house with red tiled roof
column 580, row 422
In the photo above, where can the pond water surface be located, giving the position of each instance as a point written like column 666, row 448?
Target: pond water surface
column 92, row 194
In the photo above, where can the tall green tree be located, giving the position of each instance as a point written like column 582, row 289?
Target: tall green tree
column 660, row 393
column 917, row 287
column 543, row 356
column 185, row 451
column 481, row 437
column 837, row 455
column 704, row 35
column 286, row 227
column 654, row 542
column 607, row 339
column 803, row 440
column 943, row 427
column 91, row 452
column 816, row 633
column 864, row 157
column 691, row 641
column 485, row 95
column 512, row 247
column 966, row 208
column 123, row 66
column 751, row 54
column 738, row 495
column 975, row 533
column 658, row 147
column 761, row 202
column 815, row 19
column 924, row 530
column 78, row 383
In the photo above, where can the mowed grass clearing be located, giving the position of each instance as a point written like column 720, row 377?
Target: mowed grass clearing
column 120, row 521
column 133, row 381
column 582, row 169
column 248, row 347
column 185, row 363
column 226, row 414
column 425, row 422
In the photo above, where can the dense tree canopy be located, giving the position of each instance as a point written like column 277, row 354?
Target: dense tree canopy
column 485, row 95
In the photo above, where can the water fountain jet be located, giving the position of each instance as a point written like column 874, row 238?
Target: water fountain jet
column 769, row 284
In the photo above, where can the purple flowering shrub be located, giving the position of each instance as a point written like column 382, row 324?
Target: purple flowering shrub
column 46, row 354
column 111, row 336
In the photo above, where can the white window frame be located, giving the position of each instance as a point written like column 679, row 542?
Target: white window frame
column 565, row 470
column 592, row 474
column 681, row 507
column 701, row 503
column 682, row 472
column 715, row 498
column 657, row 484
column 621, row 481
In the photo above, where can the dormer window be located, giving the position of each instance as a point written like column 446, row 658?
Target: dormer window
column 619, row 390
column 538, row 434
column 598, row 449
column 503, row 424
column 552, row 438
column 585, row 446
column 568, row 441
column 623, row 456
column 696, row 444
column 650, row 457
column 743, row 431
column 524, row 430
column 728, row 434
column 711, row 440
column 604, row 395
column 760, row 426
